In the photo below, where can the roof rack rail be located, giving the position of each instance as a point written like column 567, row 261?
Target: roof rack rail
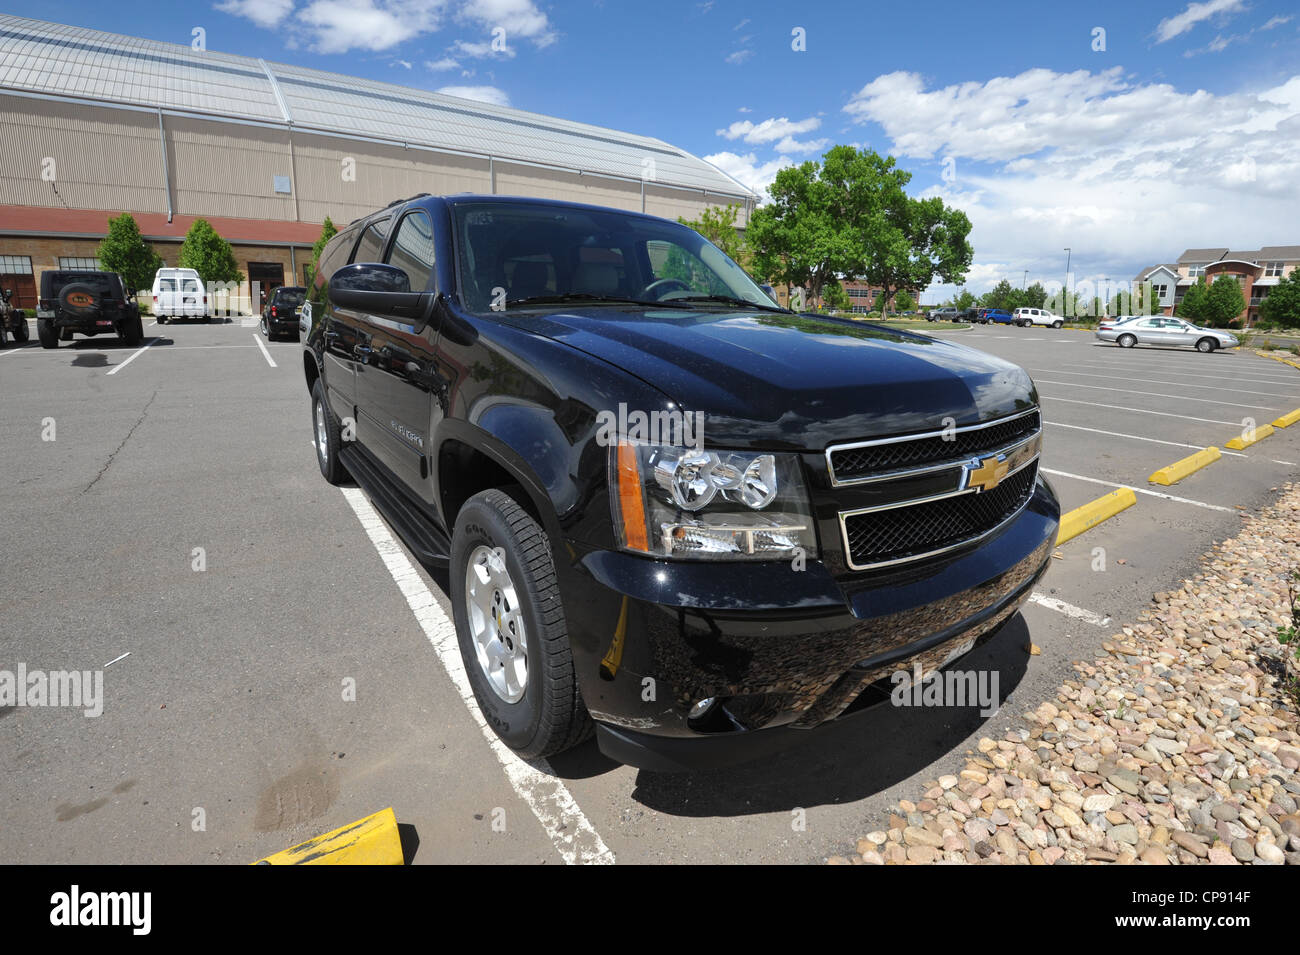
column 395, row 202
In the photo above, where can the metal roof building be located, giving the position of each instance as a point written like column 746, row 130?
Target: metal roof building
column 98, row 123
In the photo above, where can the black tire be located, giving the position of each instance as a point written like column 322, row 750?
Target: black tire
column 1057, row 324
column 550, row 717
column 1126, row 341
column 132, row 330
column 331, row 467
column 47, row 333
column 21, row 333
column 1206, row 345
column 162, row 319
column 266, row 332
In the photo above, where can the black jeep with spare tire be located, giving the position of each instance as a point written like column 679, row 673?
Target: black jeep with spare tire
column 92, row 303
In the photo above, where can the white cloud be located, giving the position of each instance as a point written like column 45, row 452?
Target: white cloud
column 769, row 130
column 1125, row 174
column 1195, row 13
column 519, row 18
column 337, row 26
column 791, row 145
column 1276, row 22
column 482, row 94
column 405, row 64
column 748, row 171
column 740, row 56
column 439, row 66
column 484, row 48
column 265, row 13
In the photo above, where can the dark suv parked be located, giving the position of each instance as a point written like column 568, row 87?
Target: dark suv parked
column 13, row 321
column 92, row 303
column 281, row 311
column 666, row 506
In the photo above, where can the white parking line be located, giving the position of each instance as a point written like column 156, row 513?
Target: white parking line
column 1153, row 394
column 1070, row 610
column 1136, row 437
column 133, row 356
column 14, row 350
column 1269, row 380
column 1163, row 414
column 265, row 354
column 1138, row 490
column 549, row 799
column 1088, row 374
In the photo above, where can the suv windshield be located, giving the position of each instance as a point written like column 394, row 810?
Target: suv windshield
column 527, row 254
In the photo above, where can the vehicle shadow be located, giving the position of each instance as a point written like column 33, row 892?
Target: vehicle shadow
column 111, row 343
column 840, row 762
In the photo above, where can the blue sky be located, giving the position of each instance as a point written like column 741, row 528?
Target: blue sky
column 1179, row 133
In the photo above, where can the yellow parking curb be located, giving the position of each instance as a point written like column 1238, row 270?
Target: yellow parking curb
column 1285, row 361
column 373, row 840
column 1288, row 419
column 1259, row 434
column 1175, row 472
column 1093, row 513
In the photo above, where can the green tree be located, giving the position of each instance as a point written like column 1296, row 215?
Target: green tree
column 1035, row 296
column 327, row 232
column 1223, row 302
column 964, row 299
column 903, row 302
column 124, row 250
column 1282, row 306
column 718, row 225
column 1194, row 304
column 209, row 254
column 835, row 297
column 1001, row 296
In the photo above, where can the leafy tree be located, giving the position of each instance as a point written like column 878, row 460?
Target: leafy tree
column 718, row 225
column 124, row 250
column 1001, row 296
column 1035, row 296
column 964, row 299
column 327, row 232
column 849, row 215
column 835, row 297
column 903, row 302
column 1194, row 303
column 209, row 254
column 1223, row 302
column 1282, row 306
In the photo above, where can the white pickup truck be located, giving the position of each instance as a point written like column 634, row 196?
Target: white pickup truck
column 179, row 293
column 1025, row 317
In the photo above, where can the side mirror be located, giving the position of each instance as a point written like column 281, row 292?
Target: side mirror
column 378, row 290
column 8, row 294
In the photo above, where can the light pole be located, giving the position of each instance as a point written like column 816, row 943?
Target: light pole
column 1105, row 302
column 1024, row 281
column 1065, row 289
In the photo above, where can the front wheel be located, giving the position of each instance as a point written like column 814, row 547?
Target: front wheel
column 1127, row 341
column 20, row 331
column 327, row 437
column 1057, row 324
column 132, row 331
column 511, row 628
column 1206, row 345
column 47, row 333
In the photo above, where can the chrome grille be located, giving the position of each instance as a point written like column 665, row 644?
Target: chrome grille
column 923, row 501
column 869, row 460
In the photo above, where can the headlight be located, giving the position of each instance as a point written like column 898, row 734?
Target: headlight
column 710, row 505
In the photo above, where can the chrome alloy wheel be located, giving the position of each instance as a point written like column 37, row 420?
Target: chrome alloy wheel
column 322, row 436
column 496, row 623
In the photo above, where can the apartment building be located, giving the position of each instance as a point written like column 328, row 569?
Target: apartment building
column 1257, row 270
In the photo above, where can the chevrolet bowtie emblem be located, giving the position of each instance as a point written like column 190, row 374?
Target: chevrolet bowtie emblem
column 987, row 473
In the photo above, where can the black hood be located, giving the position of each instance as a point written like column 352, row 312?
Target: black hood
column 789, row 381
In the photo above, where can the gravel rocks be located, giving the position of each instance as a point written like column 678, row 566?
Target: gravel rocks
column 1174, row 747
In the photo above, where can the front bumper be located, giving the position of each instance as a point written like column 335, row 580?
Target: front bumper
column 782, row 651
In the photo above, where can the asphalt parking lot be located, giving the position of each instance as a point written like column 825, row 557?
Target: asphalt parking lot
column 281, row 667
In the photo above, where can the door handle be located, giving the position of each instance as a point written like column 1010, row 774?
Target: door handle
column 362, row 351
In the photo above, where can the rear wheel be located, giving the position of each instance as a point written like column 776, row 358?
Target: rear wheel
column 511, row 627
column 47, row 333
column 1126, row 341
column 162, row 319
column 132, row 330
column 21, row 334
column 1206, row 345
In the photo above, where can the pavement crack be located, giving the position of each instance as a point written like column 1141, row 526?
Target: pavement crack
column 109, row 462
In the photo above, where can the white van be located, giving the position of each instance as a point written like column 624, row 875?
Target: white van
column 179, row 293
column 1025, row 317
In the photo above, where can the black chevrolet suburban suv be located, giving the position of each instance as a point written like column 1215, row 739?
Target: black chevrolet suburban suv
column 669, row 510
column 91, row 303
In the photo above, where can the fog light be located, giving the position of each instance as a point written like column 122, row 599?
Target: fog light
column 701, row 707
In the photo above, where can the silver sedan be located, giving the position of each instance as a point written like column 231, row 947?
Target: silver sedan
column 1160, row 330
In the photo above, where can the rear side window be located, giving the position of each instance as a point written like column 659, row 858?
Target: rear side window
column 412, row 250
column 371, row 246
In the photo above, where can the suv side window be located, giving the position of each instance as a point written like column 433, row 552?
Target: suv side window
column 412, row 250
column 371, row 246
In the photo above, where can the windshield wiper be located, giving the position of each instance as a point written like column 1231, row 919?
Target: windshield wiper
column 585, row 297
column 729, row 300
